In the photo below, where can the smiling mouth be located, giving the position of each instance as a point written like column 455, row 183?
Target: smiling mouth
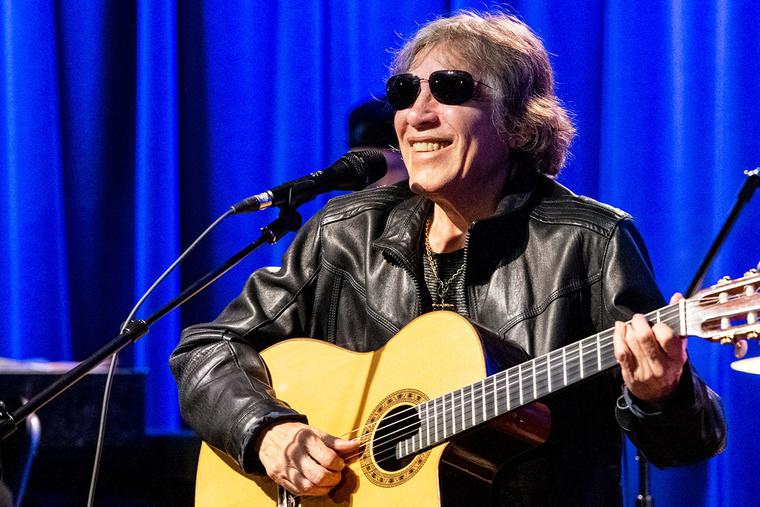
column 427, row 146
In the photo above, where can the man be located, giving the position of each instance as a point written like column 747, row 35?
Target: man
column 485, row 232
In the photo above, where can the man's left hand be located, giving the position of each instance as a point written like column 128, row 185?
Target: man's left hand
column 651, row 358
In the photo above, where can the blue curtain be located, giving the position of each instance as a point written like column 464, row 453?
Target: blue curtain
column 127, row 127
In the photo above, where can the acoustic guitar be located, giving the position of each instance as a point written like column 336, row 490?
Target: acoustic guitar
column 422, row 405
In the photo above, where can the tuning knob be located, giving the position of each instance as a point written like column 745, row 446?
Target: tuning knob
column 724, row 280
column 740, row 348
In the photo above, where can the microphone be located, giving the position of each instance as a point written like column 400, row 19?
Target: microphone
column 353, row 171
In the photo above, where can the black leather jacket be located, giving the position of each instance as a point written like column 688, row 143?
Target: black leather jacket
column 548, row 269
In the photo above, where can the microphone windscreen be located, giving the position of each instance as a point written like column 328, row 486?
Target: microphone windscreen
column 366, row 167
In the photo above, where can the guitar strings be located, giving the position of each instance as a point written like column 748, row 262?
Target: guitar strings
column 385, row 446
column 483, row 390
column 483, row 396
column 665, row 312
column 488, row 391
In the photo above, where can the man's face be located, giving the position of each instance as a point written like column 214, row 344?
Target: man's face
column 451, row 150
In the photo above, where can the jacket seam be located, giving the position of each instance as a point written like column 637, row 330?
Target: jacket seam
column 335, row 270
column 376, row 316
column 333, row 311
column 287, row 305
column 603, row 305
column 541, row 308
column 200, row 358
column 597, row 229
column 366, row 206
column 380, row 319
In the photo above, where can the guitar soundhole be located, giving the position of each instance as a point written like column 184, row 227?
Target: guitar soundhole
column 398, row 424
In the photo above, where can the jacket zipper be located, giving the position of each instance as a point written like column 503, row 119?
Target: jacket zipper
column 464, row 274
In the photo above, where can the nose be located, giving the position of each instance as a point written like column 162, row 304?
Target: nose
column 424, row 111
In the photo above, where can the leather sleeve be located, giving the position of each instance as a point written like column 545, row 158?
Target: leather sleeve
column 224, row 388
column 690, row 426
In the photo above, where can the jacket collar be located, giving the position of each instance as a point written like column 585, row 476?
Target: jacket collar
column 405, row 225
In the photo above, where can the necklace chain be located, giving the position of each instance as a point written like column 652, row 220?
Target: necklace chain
column 443, row 287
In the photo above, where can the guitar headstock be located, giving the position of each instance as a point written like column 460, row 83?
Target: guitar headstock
column 727, row 312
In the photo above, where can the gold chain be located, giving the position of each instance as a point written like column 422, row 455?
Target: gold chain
column 443, row 287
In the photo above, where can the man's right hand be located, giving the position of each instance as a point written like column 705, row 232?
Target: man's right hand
column 304, row 460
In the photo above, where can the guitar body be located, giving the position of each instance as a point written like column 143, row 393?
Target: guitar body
column 341, row 390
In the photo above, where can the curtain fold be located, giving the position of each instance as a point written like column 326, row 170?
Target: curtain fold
column 127, row 127
column 157, row 200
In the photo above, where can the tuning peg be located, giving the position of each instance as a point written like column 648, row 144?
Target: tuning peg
column 724, row 280
column 740, row 348
column 752, row 271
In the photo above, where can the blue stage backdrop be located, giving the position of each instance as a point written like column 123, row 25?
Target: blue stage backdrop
column 127, row 127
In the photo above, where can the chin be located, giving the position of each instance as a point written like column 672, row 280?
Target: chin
column 425, row 186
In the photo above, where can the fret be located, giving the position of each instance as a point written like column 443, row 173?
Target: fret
column 479, row 405
column 427, row 423
column 542, row 387
column 514, row 386
column 495, row 397
column 406, row 445
column 580, row 356
column 435, row 420
column 549, row 371
column 472, row 400
column 446, row 414
column 564, row 366
column 535, row 394
column 461, row 404
column 506, row 388
column 519, row 382
column 454, row 412
column 598, row 354
column 454, row 406
column 483, row 398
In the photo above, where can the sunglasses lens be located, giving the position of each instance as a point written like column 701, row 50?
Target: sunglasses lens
column 402, row 90
column 452, row 87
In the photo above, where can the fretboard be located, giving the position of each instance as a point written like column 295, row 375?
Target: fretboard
column 457, row 411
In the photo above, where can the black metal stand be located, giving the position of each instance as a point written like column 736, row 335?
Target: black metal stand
column 644, row 498
column 745, row 194
column 288, row 220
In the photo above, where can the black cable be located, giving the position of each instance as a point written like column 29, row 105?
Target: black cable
column 112, row 368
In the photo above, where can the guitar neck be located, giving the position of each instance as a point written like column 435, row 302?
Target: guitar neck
column 455, row 412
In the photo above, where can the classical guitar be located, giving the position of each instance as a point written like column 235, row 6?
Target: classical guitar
column 412, row 402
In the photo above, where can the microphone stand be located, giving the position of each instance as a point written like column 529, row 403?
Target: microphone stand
column 745, row 194
column 644, row 499
column 288, row 220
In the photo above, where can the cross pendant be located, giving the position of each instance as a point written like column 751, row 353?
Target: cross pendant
column 442, row 306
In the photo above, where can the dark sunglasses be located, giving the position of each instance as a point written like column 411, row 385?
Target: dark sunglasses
column 451, row 87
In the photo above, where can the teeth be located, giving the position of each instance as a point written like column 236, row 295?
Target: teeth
column 428, row 146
